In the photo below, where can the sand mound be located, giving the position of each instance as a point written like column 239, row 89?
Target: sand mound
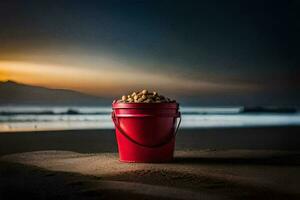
column 193, row 174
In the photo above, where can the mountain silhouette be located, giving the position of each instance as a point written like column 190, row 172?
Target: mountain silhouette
column 13, row 93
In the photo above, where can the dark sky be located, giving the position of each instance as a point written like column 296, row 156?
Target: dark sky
column 252, row 44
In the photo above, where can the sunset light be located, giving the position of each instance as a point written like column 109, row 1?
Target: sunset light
column 107, row 81
column 146, row 99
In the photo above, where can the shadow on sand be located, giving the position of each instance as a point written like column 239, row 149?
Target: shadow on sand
column 284, row 160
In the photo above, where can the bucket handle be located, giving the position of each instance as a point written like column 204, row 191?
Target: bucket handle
column 116, row 122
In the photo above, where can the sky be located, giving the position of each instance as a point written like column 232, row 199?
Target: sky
column 223, row 52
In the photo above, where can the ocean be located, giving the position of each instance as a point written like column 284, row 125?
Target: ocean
column 30, row 118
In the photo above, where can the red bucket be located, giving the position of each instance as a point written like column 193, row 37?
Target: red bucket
column 146, row 131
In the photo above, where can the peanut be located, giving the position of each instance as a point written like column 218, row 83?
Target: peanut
column 144, row 97
column 133, row 94
column 144, row 92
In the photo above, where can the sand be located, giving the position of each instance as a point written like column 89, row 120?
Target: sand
column 98, row 141
column 201, row 174
column 248, row 163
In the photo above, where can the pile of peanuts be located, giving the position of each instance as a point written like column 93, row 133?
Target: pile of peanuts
column 145, row 97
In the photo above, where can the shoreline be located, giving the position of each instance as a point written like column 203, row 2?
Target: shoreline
column 88, row 141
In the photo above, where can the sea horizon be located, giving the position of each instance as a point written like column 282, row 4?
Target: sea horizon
column 36, row 118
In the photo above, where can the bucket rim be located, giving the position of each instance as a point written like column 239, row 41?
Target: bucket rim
column 116, row 105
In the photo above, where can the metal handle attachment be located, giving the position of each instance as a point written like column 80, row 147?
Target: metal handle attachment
column 116, row 122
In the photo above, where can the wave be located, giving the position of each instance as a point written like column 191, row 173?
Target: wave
column 267, row 109
column 54, row 110
column 31, row 110
column 61, row 122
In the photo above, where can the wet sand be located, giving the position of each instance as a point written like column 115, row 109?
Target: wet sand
column 98, row 141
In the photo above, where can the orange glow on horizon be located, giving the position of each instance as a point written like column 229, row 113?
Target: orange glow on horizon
column 55, row 76
column 104, row 81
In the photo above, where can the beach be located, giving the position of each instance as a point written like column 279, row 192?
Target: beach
column 219, row 163
column 98, row 141
column 208, row 91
